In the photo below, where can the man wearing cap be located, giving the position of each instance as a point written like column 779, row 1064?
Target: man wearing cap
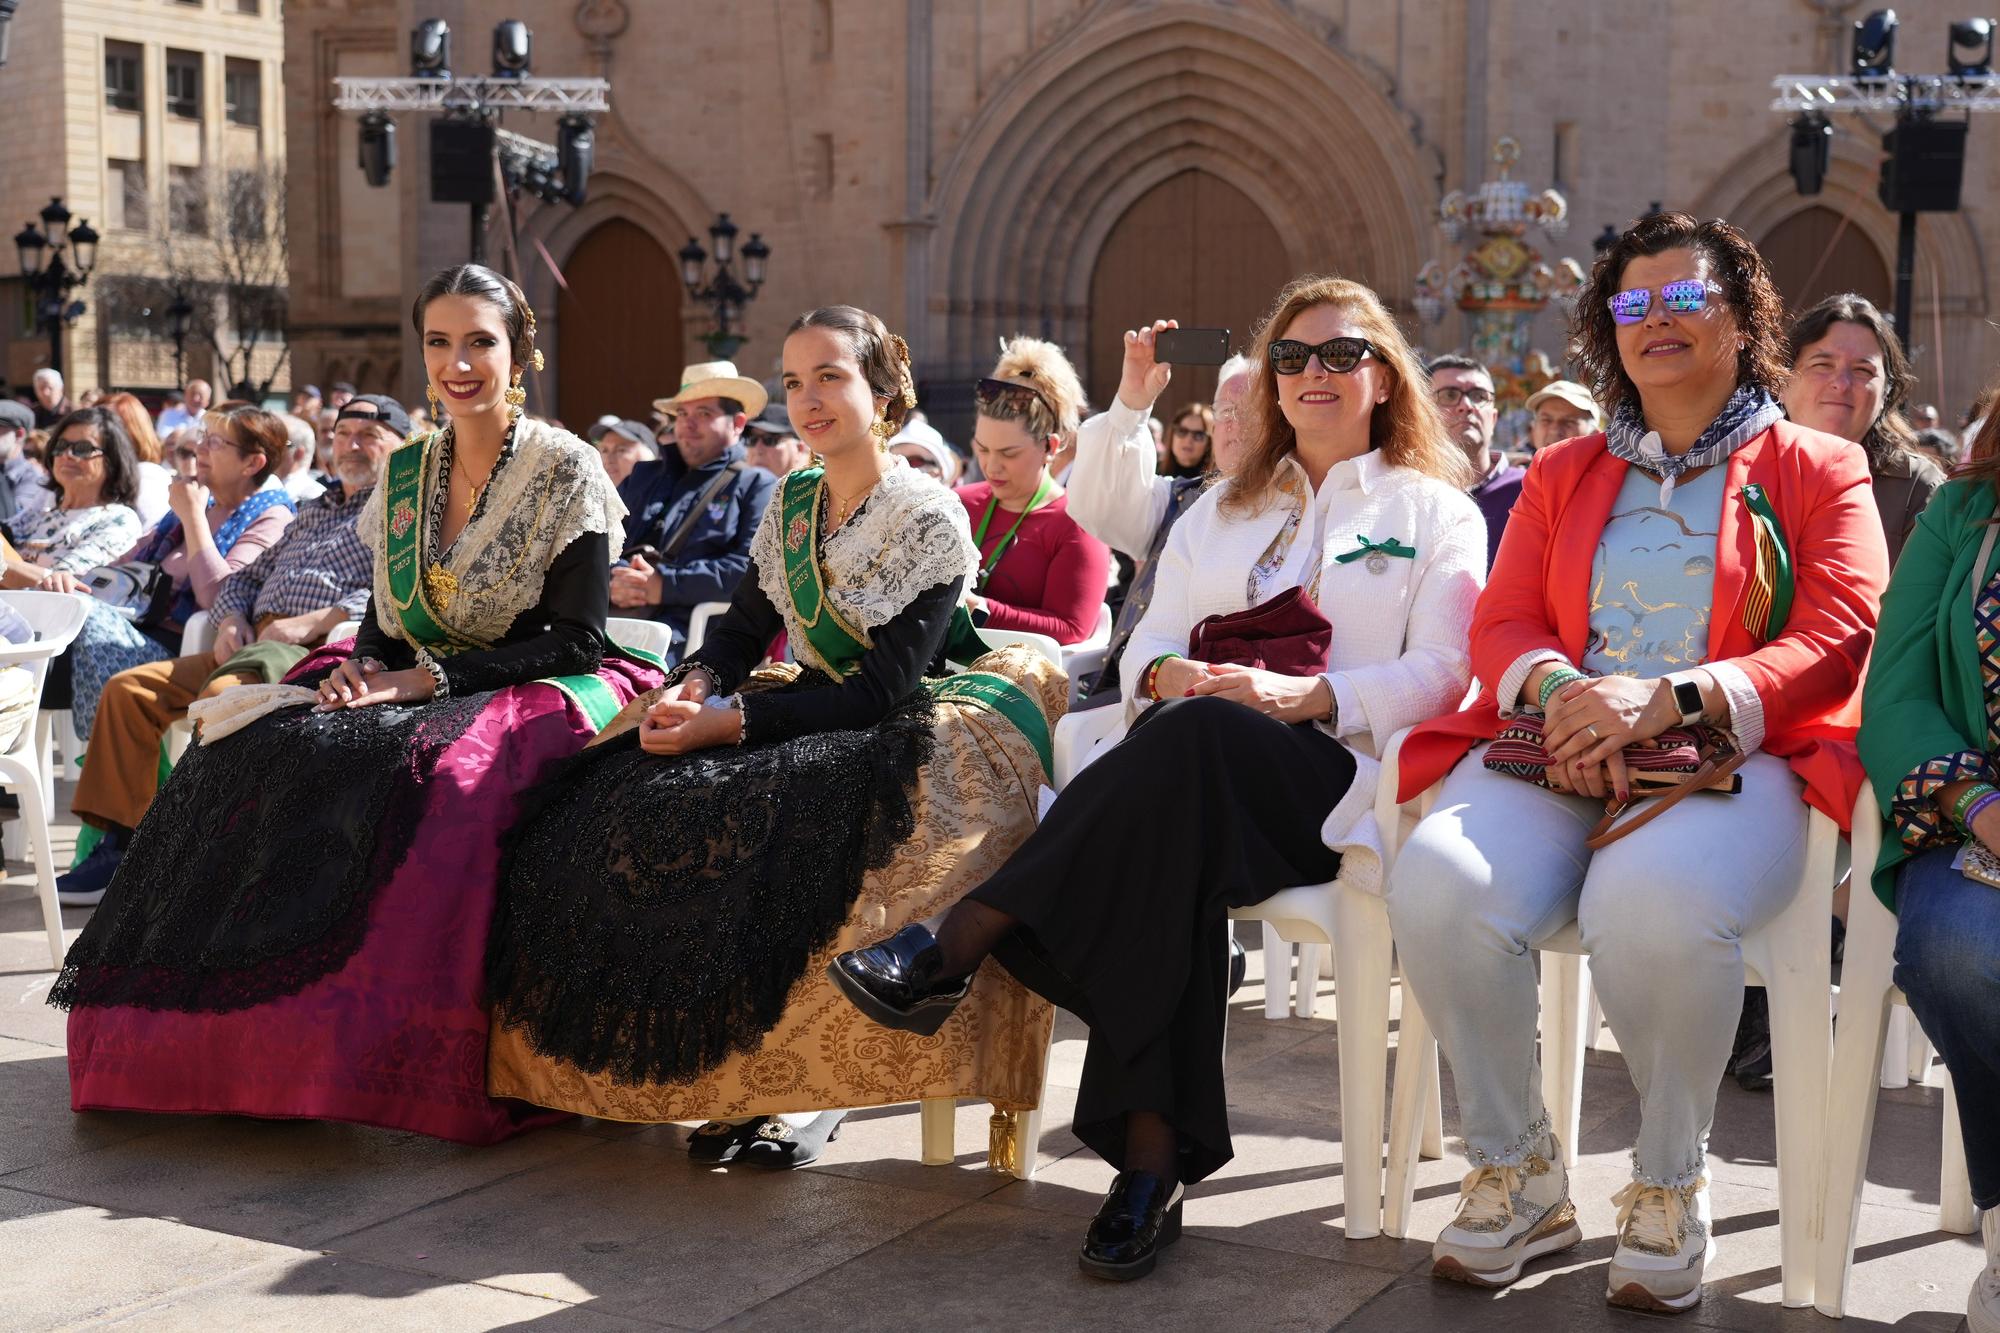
column 307, row 401
column 693, row 512
column 1562, row 410
column 771, row 443
column 270, row 613
column 22, row 488
column 623, row 445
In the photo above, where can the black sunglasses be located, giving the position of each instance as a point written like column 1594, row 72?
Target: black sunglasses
column 990, row 391
column 1339, row 355
column 81, row 449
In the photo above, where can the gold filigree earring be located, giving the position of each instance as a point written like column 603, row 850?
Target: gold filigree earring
column 437, row 408
column 516, row 396
column 882, row 430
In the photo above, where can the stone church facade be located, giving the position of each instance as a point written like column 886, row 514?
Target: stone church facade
column 972, row 168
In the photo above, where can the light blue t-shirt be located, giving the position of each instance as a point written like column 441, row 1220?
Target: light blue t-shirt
column 1652, row 581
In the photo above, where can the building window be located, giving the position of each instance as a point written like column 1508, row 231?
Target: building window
column 248, row 207
column 184, row 84
column 252, row 7
column 126, row 195
column 187, row 202
column 121, row 76
column 243, row 92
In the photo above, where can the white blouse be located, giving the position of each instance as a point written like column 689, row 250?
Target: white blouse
column 1402, row 625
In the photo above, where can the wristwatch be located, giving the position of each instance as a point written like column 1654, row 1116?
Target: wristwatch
column 1686, row 687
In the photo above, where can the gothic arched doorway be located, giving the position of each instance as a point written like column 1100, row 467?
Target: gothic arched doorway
column 1192, row 248
column 1813, row 256
column 619, row 326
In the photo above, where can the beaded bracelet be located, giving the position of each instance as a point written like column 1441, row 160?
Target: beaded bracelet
column 1971, row 801
column 1555, row 680
column 1149, row 686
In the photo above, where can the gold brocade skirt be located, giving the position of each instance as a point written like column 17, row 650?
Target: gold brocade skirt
column 974, row 805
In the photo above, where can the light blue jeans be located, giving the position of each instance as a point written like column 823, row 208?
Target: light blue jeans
column 1500, row 864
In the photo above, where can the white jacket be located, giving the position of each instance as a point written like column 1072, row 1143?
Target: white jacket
column 1401, row 637
column 1114, row 493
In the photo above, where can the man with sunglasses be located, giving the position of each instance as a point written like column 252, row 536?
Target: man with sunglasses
column 1462, row 388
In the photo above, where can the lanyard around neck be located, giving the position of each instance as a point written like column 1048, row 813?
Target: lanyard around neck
column 1043, row 494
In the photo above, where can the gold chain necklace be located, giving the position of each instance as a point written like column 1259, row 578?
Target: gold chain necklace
column 845, row 508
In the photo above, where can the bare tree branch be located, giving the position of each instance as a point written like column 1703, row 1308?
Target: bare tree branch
column 222, row 242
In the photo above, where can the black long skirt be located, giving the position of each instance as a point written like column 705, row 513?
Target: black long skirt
column 1123, row 897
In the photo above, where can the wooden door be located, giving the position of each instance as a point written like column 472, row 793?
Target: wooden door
column 1812, row 256
column 1193, row 248
column 618, row 327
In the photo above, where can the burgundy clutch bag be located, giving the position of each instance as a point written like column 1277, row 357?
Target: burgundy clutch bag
column 1287, row 634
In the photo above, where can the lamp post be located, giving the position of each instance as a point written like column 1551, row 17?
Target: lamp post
column 51, row 275
column 722, row 291
column 179, row 311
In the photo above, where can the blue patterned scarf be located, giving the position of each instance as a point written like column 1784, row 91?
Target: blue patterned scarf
column 167, row 537
column 1749, row 411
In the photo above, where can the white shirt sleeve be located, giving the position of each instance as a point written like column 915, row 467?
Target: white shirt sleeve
column 1746, row 707
column 1114, row 494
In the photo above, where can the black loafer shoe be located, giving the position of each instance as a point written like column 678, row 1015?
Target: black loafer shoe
column 718, row 1141
column 1140, row 1215
column 895, row 982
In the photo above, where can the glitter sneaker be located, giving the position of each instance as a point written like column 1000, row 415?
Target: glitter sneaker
column 1663, row 1246
column 1507, row 1215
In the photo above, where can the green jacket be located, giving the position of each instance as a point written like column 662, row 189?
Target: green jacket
column 1925, row 696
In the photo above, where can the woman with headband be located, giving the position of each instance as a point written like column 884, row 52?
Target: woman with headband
column 298, row 926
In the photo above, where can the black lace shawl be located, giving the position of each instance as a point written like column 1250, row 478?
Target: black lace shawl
column 656, row 911
column 251, row 876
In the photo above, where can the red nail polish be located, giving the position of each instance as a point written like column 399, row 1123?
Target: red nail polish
column 1187, row 693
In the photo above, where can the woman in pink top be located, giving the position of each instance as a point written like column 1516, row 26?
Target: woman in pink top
column 229, row 514
column 1038, row 571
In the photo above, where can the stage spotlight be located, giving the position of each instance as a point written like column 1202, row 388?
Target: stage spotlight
column 576, row 147
column 378, row 147
column 511, row 42
column 430, row 50
column 1875, row 45
column 1975, row 38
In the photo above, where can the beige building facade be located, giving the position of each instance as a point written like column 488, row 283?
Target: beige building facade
column 970, row 168
column 139, row 114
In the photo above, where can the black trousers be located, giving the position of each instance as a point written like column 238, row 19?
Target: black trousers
column 1123, row 897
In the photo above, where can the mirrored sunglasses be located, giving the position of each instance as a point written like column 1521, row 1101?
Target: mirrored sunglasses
column 1688, row 296
column 1339, row 355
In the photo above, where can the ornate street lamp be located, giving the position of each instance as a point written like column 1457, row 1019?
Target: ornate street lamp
column 722, row 291
column 56, row 259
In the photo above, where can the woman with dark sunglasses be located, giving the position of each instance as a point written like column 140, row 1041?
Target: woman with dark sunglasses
column 1038, row 571
column 94, row 475
column 1190, row 448
column 1349, row 496
column 1703, row 561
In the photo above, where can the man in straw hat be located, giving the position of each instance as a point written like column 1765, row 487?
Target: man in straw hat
column 695, row 509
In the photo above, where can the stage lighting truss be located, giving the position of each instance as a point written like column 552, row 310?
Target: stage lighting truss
column 475, row 95
column 1922, row 95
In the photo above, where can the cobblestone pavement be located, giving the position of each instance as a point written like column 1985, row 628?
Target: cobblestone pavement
column 156, row 1222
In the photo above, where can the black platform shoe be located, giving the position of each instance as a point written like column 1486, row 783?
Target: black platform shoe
column 1139, row 1216
column 895, row 982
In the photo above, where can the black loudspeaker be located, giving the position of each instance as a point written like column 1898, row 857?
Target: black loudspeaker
column 1924, row 167
column 461, row 162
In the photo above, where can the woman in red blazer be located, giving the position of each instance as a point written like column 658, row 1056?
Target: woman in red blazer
column 1701, row 560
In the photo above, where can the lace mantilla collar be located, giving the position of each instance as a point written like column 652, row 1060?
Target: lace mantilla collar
column 909, row 536
column 553, row 491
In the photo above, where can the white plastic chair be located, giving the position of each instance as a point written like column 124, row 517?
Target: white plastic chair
column 198, row 636
column 1791, row 957
column 650, row 636
column 1007, row 638
column 698, row 624
column 1868, row 997
column 56, row 617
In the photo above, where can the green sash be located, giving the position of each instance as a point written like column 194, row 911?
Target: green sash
column 403, row 507
column 1768, row 602
column 841, row 647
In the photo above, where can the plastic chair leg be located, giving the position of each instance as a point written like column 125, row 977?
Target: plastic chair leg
column 936, row 1116
column 1565, row 1005
column 1895, row 1047
column 1362, row 948
column 1920, row 1053
column 1866, row 1017
column 1955, row 1211
column 34, row 824
column 1415, row 1103
column 1594, row 1026
column 1433, row 1141
column 1305, row 992
column 1277, row 973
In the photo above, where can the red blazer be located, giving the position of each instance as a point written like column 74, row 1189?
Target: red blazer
column 1808, row 678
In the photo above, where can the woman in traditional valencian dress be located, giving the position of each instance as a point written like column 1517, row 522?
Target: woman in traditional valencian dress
column 665, row 921
column 298, row 926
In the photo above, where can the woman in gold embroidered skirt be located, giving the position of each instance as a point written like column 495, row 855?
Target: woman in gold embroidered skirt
column 671, row 902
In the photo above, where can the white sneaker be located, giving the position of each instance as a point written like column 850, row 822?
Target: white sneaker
column 1982, row 1308
column 1507, row 1215
column 1663, row 1245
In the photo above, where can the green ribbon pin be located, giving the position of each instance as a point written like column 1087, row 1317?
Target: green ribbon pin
column 1368, row 548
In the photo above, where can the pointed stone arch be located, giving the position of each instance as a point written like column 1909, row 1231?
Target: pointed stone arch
column 1126, row 101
